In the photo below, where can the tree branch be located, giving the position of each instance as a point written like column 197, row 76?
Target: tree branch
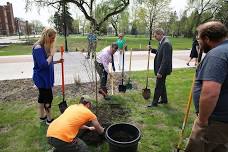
column 117, row 10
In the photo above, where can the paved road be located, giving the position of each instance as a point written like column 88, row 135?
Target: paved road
column 77, row 67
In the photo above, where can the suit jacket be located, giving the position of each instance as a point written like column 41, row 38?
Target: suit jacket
column 163, row 58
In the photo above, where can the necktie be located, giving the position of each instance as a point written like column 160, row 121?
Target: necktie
column 113, row 65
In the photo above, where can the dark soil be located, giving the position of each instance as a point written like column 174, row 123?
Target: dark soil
column 122, row 136
column 24, row 89
column 107, row 113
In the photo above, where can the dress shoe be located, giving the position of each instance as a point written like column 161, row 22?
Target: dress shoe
column 152, row 105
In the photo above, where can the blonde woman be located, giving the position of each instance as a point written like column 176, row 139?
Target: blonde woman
column 43, row 72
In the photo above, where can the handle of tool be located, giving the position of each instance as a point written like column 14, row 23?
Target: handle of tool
column 148, row 65
column 112, row 86
column 186, row 114
column 123, row 67
column 130, row 62
column 62, row 67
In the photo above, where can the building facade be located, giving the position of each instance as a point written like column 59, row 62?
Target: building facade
column 7, row 22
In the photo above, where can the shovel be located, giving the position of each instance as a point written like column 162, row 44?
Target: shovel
column 178, row 147
column 122, row 87
column 63, row 104
column 129, row 85
column 112, row 84
column 146, row 93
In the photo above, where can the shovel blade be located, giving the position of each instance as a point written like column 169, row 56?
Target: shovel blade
column 62, row 106
column 122, row 88
column 129, row 86
column 146, row 93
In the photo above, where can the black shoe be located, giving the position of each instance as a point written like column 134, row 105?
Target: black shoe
column 163, row 102
column 48, row 122
column 152, row 105
column 43, row 119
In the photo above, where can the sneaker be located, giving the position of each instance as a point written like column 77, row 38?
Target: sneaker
column 48, row 122
column 43, row 119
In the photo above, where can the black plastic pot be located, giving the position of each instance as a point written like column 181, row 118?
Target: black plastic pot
column 122, row 137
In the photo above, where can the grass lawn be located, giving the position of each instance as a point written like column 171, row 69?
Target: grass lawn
column 21, row 131
column 80, row 43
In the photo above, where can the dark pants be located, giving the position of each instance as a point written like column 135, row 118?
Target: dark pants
column 211, row 138
column 91, row 48
column 160, row 90
column 102, row 74
column 61, row 146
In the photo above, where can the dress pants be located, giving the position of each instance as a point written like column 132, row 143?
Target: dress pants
column 160, row 90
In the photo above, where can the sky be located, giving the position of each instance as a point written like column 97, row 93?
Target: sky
column 45, row 13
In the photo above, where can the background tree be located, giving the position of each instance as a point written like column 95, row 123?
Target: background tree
column 124, row 22
column 172, row 24
column 114, row 22
column 37, row 26
column 134, row 30
column 141, row 21
column 58, row 20
column 58, row 23
column 204, row 10
column 156, row 11
column 222, row 13
column 83, row 24
column 111, row 7
column 75, row 26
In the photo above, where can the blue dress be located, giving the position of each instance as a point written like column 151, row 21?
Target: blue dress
column 43, row 74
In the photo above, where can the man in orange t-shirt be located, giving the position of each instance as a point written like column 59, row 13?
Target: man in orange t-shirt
column 62, row 131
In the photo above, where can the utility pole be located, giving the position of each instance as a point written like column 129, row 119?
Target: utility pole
column 65, row 28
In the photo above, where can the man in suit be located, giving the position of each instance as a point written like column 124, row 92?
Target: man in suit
column 162, row 67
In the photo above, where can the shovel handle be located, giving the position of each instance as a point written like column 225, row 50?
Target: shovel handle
column 62, row 67
column 130, row 60
column 62, row 50
column 123, row 67
column 186, row 114
column 112, row 82
column 148, row 66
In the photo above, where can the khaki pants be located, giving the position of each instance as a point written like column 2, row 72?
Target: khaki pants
column 211, row 138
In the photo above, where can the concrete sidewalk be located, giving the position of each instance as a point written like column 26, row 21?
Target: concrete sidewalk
column 77, row 68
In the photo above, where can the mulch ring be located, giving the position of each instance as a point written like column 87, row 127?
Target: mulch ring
column 24, row 89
